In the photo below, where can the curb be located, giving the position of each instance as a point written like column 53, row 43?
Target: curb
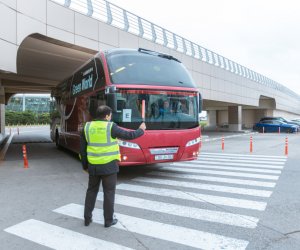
column 229, row 136
column 5, row 144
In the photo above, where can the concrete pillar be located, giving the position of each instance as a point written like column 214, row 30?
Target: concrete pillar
column 2, row 111
column 2, row 119
column 212, row 119
column 235, row 118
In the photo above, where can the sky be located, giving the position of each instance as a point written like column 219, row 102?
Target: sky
column 263, row 35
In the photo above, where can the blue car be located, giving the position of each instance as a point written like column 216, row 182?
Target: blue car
column 274, row 125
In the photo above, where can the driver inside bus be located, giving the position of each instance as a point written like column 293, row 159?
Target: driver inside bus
column 164, row 107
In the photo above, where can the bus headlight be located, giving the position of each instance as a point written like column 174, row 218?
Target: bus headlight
column 127, row 144
column 193, row 142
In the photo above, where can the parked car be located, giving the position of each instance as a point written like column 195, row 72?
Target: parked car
column 274, row 125
column 279, row 119
column 297, row 121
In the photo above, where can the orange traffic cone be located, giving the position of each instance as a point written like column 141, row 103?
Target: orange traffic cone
column 223, row 144
column 25, row 157
column 286, row 148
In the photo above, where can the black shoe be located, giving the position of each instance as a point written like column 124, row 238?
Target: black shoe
column 88, row 221
column 114, row 222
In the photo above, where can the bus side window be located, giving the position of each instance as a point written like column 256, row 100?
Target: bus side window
column 95, row 101
column 92, row 105
column 101, row 99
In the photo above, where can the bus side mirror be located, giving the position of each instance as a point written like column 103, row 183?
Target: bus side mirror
column 200, row 104
column 112, row 101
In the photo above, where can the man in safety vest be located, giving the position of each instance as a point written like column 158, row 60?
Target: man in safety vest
column 100, row 154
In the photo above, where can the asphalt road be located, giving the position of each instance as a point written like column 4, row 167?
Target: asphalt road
column 228, row 199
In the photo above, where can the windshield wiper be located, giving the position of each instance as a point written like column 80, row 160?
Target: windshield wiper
column 169, row 57
column 154, row 53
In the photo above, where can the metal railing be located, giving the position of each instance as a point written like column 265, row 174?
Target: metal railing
column 127, row 21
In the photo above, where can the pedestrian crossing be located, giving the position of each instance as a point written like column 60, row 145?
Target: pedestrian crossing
column 177, row 234
column 223, row 191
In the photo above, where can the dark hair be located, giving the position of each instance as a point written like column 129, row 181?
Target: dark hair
column 103, row 111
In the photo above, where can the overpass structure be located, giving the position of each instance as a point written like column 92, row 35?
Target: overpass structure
column 44, row 41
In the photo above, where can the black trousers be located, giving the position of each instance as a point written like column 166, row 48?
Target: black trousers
column 109, row 187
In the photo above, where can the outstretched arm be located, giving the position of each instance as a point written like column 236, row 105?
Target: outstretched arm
column 120, row 133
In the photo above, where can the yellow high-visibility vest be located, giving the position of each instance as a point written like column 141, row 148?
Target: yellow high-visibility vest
column 101, row 147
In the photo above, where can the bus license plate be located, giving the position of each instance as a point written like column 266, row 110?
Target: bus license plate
column 163, row 157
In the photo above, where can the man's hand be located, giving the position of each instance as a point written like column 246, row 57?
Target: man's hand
column 143, row 126
column 85, row 167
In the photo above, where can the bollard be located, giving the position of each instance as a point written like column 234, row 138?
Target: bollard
column 263, row 130
column 10, row 131
column 223, row 146
column 200, row 142
column 18, row 130
column 25, row 156
column 278, row 130
column 286, row 148
column 251, row 144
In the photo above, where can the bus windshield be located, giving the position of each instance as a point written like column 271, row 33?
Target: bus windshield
column 163, row 110
column 135, row 67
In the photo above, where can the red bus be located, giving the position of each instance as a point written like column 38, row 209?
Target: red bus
column 126, row 80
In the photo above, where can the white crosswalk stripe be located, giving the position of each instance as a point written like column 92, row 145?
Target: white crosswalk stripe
column 228, row 173
column 225, row 189
column 257, row 170
column 177, row 234
column 59, row 238
column 216, row 188
column 245, row 155
column 255, row 165
column 213, row 199
column 240, row 159
column 188, row 212
column 215, row 179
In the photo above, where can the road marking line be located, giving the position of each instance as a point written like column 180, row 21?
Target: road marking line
column 228, row 173
column 247, row 155
column 210, row 187
column 172, row 233
column 241, row 164
column 188, row 212
column 218, row 200
column 238, row 158
column 57, row 237
column 214, row 159
column 195, row 165
column 217, row 179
